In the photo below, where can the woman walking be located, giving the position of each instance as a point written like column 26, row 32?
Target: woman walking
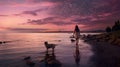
column 76, row 34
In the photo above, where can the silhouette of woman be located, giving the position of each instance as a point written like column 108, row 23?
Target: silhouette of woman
column 76, row 34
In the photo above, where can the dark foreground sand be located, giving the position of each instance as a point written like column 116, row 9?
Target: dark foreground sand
column 105, row 54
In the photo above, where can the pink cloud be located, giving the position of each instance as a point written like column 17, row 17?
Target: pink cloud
column 60, row 13
column 105, row 14
column 50, row 20
column 27, row 3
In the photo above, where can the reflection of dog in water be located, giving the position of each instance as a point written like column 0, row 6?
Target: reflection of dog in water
column 49, row 46
column 29, row 62
column 51, row 61
column 77, row 55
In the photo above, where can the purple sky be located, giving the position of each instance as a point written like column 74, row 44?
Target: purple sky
column 53, row 15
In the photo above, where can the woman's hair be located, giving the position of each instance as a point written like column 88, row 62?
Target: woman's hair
column 77, row 28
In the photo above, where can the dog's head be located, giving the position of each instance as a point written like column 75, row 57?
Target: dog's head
column 45, row 42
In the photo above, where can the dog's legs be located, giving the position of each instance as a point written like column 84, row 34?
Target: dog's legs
column 47, row 50
column 53, row 50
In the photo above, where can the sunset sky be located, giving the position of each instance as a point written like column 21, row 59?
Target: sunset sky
column 54, row 15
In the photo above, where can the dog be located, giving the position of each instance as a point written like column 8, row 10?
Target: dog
column 48, row 46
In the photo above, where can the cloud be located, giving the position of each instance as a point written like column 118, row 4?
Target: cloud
column 67, row 12
column 87, row 21
column 38, row 1
column 32, row 12
column 26, row 3
column 28, row 7
column 50, row 20
column 32, row 30
column 85, row 7
column 4, row 15
column 92, row 18
column 27, row 29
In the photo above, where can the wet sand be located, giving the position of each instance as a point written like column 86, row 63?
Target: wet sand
column 105, row 54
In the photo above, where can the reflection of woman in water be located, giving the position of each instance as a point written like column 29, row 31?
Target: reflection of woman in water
column 76, row 33
column 77, row 55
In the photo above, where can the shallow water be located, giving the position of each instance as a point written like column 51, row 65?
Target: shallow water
column 21, row 45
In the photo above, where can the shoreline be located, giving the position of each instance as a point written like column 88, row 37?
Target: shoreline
column 105, row 54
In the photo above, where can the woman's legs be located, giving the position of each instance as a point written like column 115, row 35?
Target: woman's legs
column 77, row 41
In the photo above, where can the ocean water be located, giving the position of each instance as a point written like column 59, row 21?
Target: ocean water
column 21, row 45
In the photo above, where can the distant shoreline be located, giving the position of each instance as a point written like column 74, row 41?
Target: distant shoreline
column 58, row 32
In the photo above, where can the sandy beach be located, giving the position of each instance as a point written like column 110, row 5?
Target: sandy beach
column 105, row 54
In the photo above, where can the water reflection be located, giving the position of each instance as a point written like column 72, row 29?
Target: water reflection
column 29, row 62
column 77, row 55
column 50, row 60
column 32, row 44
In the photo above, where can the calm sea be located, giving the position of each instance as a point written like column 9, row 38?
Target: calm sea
column 20, row 45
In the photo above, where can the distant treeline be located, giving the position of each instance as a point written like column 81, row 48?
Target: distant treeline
column 115, row 27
